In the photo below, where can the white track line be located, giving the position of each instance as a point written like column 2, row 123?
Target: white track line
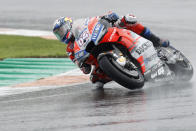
column 5, row 91
column 75, row 72
column 25, row 32
column 18, row 90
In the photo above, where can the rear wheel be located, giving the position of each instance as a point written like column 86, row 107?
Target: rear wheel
column 178, row 63
column 182, row 68
column 128, row 76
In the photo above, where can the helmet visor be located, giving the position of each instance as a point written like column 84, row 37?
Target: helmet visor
column 61, row 32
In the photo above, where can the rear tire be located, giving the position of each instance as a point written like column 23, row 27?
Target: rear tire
column 108, row 67
column 182, row 69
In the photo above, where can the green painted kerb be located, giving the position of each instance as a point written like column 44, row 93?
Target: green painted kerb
column 20, row 70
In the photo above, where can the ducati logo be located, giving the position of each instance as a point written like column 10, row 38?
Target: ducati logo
column 143, row 47
column 112, row 35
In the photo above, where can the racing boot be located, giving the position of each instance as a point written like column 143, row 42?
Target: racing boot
column 157, row 42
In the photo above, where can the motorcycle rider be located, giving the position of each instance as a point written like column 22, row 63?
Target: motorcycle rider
column 63, row 31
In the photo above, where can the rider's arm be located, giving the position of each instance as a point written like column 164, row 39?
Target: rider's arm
column 86, row 68
column 70, row 51
column 127, row 22
column 130, row 22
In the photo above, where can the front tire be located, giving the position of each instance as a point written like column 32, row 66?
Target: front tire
column 107, row 64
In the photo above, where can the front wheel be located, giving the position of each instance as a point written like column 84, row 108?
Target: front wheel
column 131, row 79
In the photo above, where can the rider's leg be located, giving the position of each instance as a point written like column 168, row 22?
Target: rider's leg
column 130, row 22
column 157, row 42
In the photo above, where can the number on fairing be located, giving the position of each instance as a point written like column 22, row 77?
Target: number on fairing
column 83, row 38
column 161, row 71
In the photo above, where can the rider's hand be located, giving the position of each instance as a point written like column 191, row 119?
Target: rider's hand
column 111, row 17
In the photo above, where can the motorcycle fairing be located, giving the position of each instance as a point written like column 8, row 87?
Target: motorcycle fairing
column 144, row 52
column 90, row 29
column 141, row 49
column 85, row 31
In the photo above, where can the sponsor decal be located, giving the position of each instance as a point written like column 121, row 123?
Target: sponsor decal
column 83, row 38
column 80, row 54
column 159, row 72
column 143, row 47
column 96, row 32
column 149, row 59
column 114, row 31
column 156, row 66
column 166, row 78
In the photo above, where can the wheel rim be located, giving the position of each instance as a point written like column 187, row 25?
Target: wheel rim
column 128, row 70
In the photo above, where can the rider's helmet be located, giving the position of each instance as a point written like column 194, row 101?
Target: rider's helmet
column 62, row 29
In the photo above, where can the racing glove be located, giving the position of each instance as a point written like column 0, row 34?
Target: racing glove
column 111, row 17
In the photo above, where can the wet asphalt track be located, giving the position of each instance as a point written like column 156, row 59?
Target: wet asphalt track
column 154, row 108
column 157, row 108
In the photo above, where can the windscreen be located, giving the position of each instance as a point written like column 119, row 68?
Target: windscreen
column 79, row 26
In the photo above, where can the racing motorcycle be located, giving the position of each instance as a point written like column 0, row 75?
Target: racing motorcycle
column 125, row 57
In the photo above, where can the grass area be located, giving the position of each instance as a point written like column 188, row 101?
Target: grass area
column 23, row 47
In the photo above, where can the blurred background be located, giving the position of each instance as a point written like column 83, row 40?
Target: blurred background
column 171, row 19
column 40, row 14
